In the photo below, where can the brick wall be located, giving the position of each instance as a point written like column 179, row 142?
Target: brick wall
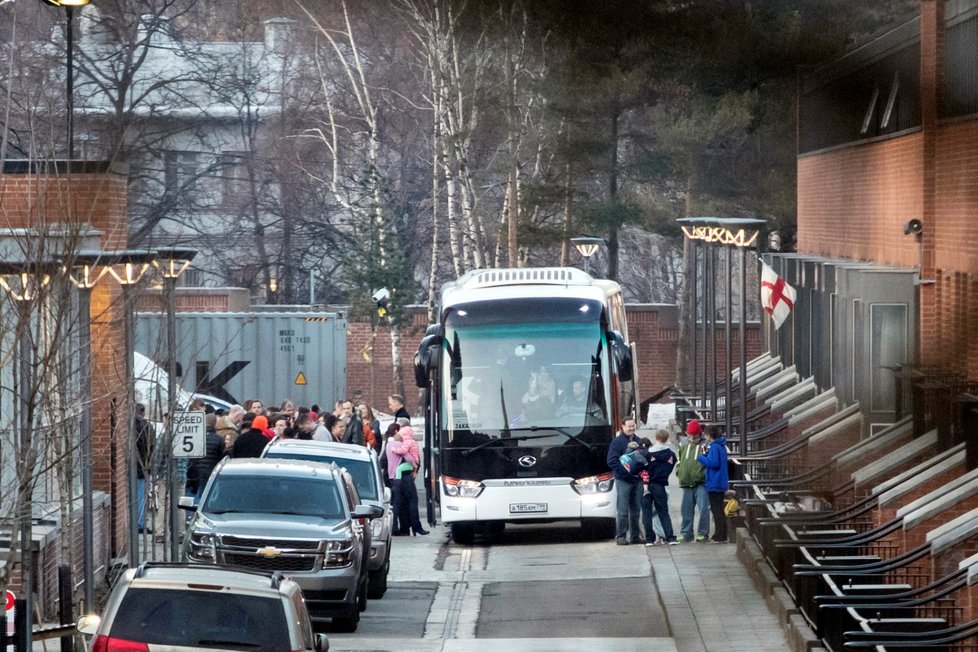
column 39, row 197
column 853, row 201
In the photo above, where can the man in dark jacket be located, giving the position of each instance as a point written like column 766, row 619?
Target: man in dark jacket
column 662, row 459
column 145, row 436
column 395, row 403
column 628, row 485
column 250, row 443
column 354, row 426
column 199, row 470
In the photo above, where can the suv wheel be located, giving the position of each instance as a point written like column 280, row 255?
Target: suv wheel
column 377, row 582
column 362, row 594
column 348, row 623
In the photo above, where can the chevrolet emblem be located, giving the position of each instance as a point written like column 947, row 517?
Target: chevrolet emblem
column 269, row 551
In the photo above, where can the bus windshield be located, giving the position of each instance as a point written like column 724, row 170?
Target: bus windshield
column 520, row 369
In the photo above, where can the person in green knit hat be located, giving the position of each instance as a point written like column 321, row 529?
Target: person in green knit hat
column 692, row 478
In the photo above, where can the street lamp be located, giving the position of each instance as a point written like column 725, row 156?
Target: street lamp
column 133, row 264
column 69, row 6
column 23, row 282
column 172, row 262
column 587, row 246
column 84, row 277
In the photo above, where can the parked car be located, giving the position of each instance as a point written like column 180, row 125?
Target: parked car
column 193, row 607
column 301, row 518
column 362, row 464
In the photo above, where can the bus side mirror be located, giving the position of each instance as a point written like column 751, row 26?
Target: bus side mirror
column 426, row 358
column 622, row 354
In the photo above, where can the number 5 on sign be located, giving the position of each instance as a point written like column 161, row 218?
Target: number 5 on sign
column 189, row 435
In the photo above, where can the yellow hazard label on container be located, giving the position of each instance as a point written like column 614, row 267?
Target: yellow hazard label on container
column 300, row 379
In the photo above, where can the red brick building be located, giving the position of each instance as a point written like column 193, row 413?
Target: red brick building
column 46, row 198
column 888, row 134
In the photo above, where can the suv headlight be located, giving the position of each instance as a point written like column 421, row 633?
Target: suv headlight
column 202, row 546
column 376, row 528
column 461, row 488
column 594, row 484
column 339, row 552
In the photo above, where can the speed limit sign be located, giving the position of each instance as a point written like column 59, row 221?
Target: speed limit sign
column 189, row 435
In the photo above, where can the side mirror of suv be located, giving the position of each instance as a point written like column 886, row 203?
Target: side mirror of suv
column 187, row 503
column 368, row 511
column 322, row 643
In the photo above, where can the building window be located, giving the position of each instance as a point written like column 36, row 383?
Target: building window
column 180, row 171
column 888, row 348
column 233, row 172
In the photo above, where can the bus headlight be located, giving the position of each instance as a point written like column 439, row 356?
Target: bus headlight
column 594, row 484
column 461, row 488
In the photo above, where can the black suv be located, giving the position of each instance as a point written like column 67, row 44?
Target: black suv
column 301, row 518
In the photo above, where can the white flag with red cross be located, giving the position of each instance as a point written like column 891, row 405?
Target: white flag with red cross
column 777, row 297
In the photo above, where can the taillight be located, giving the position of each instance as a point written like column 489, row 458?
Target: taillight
column 107, row 644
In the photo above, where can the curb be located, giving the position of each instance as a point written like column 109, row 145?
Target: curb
column 800, row 635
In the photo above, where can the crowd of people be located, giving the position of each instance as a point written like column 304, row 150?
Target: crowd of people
column 642, row 468
column 245, row 430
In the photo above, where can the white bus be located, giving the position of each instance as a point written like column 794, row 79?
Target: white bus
column 528, row 374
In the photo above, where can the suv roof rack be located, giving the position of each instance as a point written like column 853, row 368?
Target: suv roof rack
column 275, row 577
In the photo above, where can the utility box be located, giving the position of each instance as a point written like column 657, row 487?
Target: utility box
column 265, row 355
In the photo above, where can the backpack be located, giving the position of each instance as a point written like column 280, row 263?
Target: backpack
column 633, row 461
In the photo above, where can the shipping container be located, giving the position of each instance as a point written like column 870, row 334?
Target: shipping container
column 265, row 355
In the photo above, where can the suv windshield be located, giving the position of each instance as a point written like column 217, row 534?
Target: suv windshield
column 201, row 619
column 274, row 495
column 362, row 471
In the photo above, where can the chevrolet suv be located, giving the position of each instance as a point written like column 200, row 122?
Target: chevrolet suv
column 303, row 519
column 193, row 607
column 361, row 463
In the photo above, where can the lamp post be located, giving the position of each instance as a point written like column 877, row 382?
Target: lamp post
column 134, row 264
column 84, row 277
column 587, row 246
column 69, row 6
column 172, row 263
column 23, row 286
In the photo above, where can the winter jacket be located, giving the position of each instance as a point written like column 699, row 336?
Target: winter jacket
column 662, row 459
column 689, row 471
column 200, row 469
column 354, row 432
column 396, row 453
column 617, row 448
column 410, row 443
column 249, row 444
column 226, row 429
column 715, row 462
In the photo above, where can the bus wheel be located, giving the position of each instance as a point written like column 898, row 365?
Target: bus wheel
column 598, row 528
column 463, row 533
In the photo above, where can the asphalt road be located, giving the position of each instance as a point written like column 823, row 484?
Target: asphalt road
column 537, row 587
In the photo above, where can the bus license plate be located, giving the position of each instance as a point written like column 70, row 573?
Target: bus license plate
column 527, row 508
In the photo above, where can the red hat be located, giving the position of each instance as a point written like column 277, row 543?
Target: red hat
column 694, row 427
column 260, row 422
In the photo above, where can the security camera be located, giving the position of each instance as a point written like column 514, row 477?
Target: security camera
column 381, row 295
column 914, row 226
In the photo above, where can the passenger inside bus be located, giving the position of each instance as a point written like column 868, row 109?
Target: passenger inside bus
column 538, row 401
